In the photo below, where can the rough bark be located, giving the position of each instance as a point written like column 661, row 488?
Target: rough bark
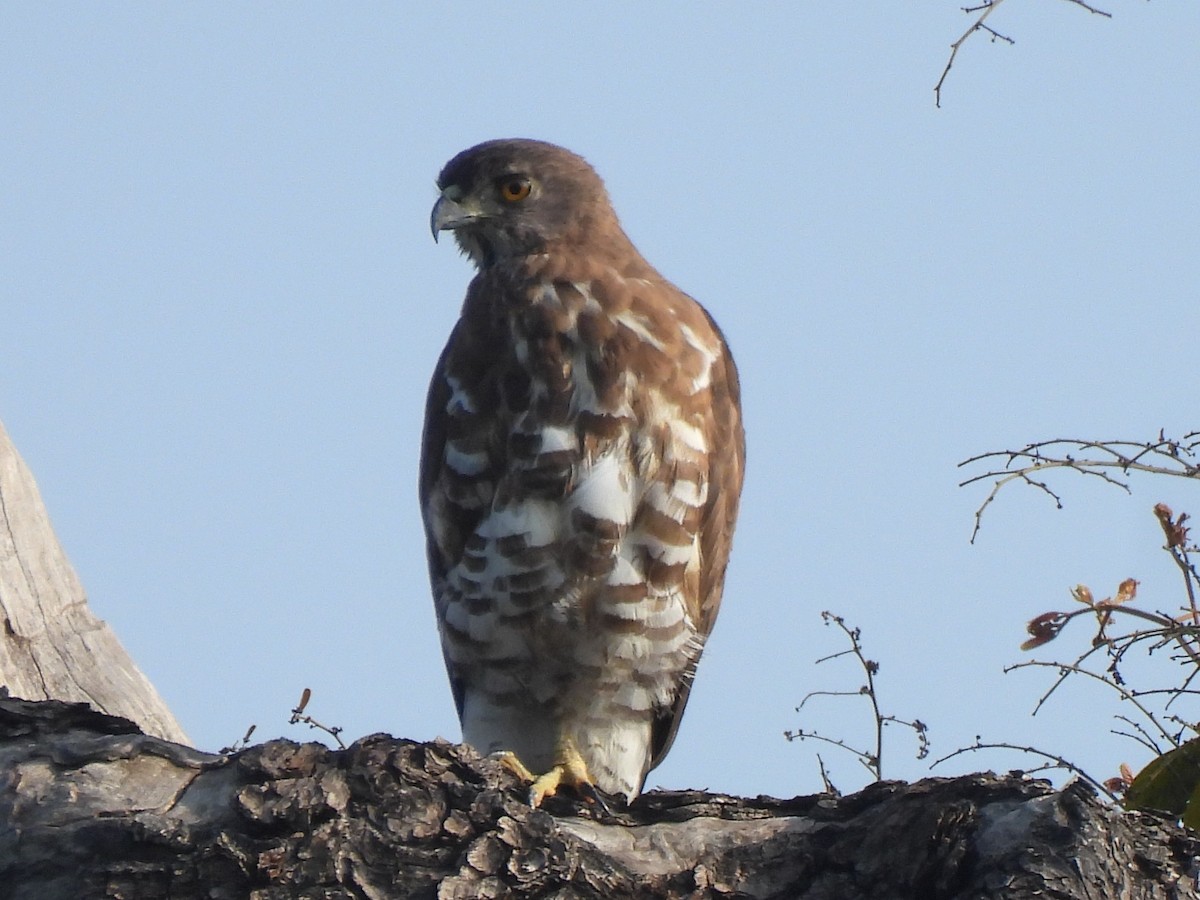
column 89, row 807
column 51, row 645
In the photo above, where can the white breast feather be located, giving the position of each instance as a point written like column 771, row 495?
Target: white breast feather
column 603, row 491
column 536, row 519
column 623, row 571
column 460, row 400
column 465, row 463
column 555, row 437
column 635, row 324
column 688, row 435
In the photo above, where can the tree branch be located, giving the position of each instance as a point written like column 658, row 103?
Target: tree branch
column 1179, row 458
column 985, row 9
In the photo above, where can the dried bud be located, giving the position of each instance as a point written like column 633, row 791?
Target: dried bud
column 1126, row 591
column 1115, row 785
column 1044, row 629
column 1174, row 529
column 1083, row 594
column 1120, row 784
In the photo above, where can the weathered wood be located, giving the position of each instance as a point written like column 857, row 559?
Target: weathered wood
column 51, row 645
column 90, row 808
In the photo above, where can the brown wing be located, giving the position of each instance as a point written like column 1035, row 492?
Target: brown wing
column 460, row 412
column 433, row 449
column 726, row 465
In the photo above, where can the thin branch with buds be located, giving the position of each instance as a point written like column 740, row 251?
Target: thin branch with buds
column 1054, row 762
column 1170, row 777
column 1179, row 458
column 1065, row 670
column 985, row 9
column 1153, row 630
column 299, row 717
column 240, row 744
column 871, row 760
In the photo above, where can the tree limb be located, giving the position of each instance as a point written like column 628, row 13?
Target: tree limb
column 90, row 807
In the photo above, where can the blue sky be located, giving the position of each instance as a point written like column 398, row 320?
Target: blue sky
column 221, row 306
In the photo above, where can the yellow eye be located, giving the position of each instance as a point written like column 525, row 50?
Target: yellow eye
column 514, row 188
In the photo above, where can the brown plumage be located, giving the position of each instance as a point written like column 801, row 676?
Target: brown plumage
column 580, row 473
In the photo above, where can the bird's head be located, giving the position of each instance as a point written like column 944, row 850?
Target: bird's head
column 507, row 199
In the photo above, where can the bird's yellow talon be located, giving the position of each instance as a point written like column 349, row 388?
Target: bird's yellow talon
column 569, row 770
column 545, row 786
column 512, row 762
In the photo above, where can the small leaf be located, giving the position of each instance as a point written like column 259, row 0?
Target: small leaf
column 1169, row 783
column 1083, row 594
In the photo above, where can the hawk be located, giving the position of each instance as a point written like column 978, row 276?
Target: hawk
column 581, row 465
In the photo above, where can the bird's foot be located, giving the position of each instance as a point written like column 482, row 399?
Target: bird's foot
column 513, row 763
column 569, row 770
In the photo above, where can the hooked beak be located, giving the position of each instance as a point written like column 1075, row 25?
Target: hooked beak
column 450, row 214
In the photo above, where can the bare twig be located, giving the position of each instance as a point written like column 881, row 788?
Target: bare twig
column 1076, row 669
column 868, row 762
column 240, row 744
column 985, row 9
column 299, row 717
column 1142, row 736
column 830, row 787
column 1162, row 456
column 1057, row 762
column 871, row 760
column 1091, row 9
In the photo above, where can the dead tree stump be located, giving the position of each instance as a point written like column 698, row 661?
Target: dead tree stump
column 51, row 645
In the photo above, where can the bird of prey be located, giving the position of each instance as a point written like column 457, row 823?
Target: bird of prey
column 581, row 466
